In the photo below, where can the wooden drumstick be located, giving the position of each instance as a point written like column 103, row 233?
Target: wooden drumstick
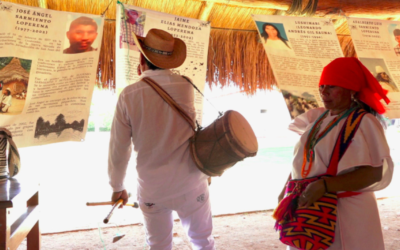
column 101, row 203
column 119, row 202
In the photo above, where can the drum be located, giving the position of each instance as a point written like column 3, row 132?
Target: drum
column 223, row 143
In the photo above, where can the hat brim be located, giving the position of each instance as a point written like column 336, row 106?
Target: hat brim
column 175, row 60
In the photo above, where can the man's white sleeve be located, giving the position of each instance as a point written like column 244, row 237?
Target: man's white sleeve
column 120, row 146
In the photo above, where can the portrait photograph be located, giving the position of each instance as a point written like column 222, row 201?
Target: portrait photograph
column 379, row 70
column 81, row 34
column 273, row 36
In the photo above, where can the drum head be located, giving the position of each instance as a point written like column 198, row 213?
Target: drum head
column 242, row 132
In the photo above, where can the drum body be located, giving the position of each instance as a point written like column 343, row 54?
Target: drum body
column 223, row 143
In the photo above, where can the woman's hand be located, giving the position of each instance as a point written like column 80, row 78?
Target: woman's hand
column 312, row 193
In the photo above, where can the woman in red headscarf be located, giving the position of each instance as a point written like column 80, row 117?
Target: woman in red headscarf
column 366, row 165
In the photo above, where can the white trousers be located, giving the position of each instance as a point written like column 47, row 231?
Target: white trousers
column 194, row 211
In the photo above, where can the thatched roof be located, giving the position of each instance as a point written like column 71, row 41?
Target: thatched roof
column 14, row 71
column 235, row 56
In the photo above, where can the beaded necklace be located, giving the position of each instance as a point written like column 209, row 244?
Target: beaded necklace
column 313, row 138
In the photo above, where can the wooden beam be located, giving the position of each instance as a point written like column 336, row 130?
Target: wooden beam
column 205, row 11
column 269, row 4
column 378, row 9
column 328, row 8
column 43, row 4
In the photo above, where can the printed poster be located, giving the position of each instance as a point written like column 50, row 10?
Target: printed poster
column 195, row 33
column 298, row 48
column 48, row 67
column 377, row 43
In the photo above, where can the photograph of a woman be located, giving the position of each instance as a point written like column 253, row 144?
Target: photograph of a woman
column 384, row 79
column 273, row 38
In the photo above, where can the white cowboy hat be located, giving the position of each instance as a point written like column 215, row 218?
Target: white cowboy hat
column 379, row 69
column 161, row 48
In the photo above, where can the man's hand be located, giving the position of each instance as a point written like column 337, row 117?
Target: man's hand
column 120, row 195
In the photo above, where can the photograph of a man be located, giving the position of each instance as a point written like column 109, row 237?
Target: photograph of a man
column 396, row 48
column 81, row 35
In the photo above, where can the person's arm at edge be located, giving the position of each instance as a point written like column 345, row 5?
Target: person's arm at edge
column 120, row 149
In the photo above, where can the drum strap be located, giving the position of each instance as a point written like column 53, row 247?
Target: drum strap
column 168, row 99
column 194, row 86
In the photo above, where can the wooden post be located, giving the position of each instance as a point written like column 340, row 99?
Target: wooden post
column 270, row 4
column 33, row 238
column 378, row 9
column 4, row 227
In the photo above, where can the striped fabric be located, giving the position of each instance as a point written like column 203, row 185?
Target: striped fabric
column 3, row 158
column 14, row 163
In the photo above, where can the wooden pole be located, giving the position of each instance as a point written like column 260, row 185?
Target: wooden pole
column 102, row 203
column 116, row 204
column 377, row 9
column 270, row 4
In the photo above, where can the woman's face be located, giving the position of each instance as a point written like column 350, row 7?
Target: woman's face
column 384, row 76
column 336, row 99
column 271, row 31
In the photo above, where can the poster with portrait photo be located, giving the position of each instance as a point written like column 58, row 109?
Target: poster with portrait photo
column 82, row 34
column 44, row 74
column 313, row 43
column 193, row 32
column 376, row 46
column 273, row 36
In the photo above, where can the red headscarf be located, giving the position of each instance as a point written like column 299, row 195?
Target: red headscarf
column 350, row 73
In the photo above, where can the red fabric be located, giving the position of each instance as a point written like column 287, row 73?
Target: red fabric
column 350, row 73
column 347, row 194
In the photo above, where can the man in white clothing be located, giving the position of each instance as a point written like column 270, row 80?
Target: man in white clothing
column 168, row 179
column 5, row 100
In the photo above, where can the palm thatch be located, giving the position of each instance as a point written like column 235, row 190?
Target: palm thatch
column 235, row 55
column 14, row 72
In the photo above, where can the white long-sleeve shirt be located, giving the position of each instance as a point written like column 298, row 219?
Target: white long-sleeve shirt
column 160, row 137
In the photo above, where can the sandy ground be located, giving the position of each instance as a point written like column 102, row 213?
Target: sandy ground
column 232, row 232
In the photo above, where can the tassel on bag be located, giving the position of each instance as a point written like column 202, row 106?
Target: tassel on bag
column 286, row 208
